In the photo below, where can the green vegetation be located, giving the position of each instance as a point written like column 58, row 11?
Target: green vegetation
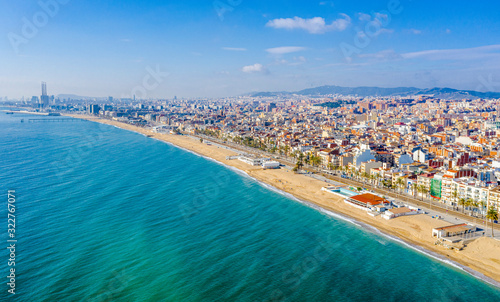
column 492, row 215
column 335, row 104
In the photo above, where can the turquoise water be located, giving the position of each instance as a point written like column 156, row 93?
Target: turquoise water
column 105, row 214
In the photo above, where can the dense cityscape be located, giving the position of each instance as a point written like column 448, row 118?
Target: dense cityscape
column 441, row 150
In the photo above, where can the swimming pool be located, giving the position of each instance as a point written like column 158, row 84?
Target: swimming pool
column 344, row 192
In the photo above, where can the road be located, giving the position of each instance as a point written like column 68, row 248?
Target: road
column 428, row 206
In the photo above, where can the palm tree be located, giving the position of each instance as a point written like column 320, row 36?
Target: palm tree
column 483, row 204
column 415, row 188
column 422, row 190
column 455, row 195
column 356, row 173
column 298, row 165
column 372, row 180
column 345, row 169
column 462, row 202
column 475, row 205
column 336, row 168
column 380, row 179
column 286, row 149
column 492, row 215
column 315, row 160
column 400, row 184
column 468, row 204
column 280, row 150
column 301, row 156
column 365, row 177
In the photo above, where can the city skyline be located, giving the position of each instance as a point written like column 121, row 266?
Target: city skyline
column 228, row 48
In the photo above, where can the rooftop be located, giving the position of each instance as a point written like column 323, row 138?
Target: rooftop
column 369, row 198
column 451, row 227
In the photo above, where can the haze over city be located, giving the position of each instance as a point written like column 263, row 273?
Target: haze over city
column 227, row 48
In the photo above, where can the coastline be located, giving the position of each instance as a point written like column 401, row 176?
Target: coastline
column 480, row 258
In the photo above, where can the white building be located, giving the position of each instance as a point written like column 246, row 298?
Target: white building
column 363, row 156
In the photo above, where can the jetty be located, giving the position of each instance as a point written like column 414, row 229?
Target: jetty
column 53, row 120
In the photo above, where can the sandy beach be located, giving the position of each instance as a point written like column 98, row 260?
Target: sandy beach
column 482, row 255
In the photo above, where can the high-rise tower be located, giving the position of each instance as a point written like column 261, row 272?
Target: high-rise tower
column 44, row 98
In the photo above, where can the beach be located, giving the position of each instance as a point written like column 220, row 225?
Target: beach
column 482, row 255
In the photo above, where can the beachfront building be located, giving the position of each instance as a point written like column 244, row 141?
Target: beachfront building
column 424, row 181
column 270, row 165
column 453, row 230
column 397, row 212
column 469, row 188
column 253, row 161
column 367, row 200
column 494, row 198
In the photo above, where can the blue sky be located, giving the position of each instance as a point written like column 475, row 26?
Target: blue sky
column 230, row 47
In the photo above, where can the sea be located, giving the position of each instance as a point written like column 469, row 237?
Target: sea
column 105, row 214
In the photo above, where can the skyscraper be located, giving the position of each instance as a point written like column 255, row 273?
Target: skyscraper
column 44, row 98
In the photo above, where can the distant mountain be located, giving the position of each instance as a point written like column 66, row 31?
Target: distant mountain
column 449, row 92
column 268, row 94
column 360, row 91
column 444, row 93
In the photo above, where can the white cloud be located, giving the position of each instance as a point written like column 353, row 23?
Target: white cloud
column 329, row 3
column 284, row 50
column 490, row 54
column 362, row 34
column 383, row 55
column 316, row 25
column 384, row 31
column 234, row 49
column 364, row 17
column 294, row 62
column 255, row 68
column 448, row 31
column 300, row 59
column 482, row 52
column 383, row 18
column 280, row 62
column 415, row 31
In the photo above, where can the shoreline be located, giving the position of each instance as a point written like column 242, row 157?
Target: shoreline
column 472, row 260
